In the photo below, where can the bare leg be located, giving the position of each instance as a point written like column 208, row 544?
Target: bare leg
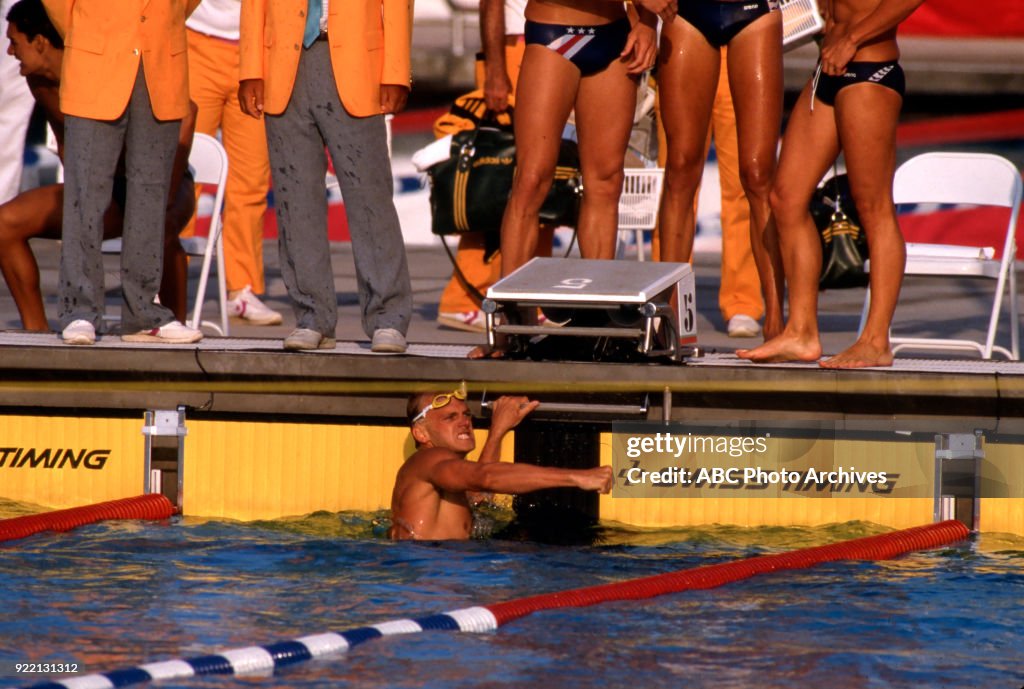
column 755, row 79
column 604, row 117
column 544, row 97
column 36, row 213
column 688, row 69
column 867, row 115
column 809, row 147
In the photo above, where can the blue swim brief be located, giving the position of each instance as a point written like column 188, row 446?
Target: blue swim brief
column 590, row 48
column 720, row 20
column 888, row 74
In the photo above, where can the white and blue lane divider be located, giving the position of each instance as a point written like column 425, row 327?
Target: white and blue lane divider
column 263, row 660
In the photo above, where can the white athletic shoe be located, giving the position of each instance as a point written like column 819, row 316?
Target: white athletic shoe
column 303, row 338
column 248, row 307
column 742, row 325
column 80, row 332
column 470, row 321
column 169, row 333
column 388, row 340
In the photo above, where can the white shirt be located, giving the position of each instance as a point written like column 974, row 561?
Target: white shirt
column 515, row 18
column 218, row 18
column 323, row 17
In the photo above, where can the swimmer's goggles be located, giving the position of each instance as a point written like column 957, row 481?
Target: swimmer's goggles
column 440, row 401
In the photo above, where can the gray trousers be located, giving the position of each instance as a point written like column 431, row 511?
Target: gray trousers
column 91, row 152
column 296, row 138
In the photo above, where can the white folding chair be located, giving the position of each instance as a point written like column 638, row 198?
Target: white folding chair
column 209, row 164
column 980, row 179
column 638, row 204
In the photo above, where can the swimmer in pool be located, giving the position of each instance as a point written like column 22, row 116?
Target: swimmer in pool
column 430, row 500
column 851, row 105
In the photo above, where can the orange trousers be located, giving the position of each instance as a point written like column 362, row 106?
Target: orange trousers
column 470, row 256
column 213, row 85
column 740, row 288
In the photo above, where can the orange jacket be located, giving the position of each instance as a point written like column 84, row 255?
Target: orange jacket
column 104, row 42
column 369, row 44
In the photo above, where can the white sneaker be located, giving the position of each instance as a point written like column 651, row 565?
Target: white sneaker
column 742, row 325
column 80, row 332
column 470, row 321
column 303, row 338
column 248, row 307
column 388, row 340
column 169, row 333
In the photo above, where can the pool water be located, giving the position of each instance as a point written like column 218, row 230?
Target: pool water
column 120, row 594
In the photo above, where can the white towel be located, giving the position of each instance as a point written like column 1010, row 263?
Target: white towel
column 432, row 154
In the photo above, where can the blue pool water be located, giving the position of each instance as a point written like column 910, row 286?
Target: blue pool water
column 120, row 594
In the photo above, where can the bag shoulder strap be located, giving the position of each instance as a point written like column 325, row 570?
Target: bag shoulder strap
column 475, row 294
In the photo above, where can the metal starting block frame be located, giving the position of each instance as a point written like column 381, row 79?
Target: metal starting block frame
column 601, row 285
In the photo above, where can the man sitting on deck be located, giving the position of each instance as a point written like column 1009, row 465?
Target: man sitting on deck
column 430, row 499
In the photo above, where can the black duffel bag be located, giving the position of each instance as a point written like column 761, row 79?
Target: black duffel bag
column 469, row 191
column 844, row 244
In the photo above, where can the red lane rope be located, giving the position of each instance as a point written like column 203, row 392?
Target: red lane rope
column 710, row 576
column 153, row 506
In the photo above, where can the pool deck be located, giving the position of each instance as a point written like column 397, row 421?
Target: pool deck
column 249, row 374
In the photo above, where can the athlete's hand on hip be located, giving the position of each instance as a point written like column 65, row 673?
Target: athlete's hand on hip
column 641, row 49
column 666, row 9
column 250, row 97
column 836, row 52
column 393, row 98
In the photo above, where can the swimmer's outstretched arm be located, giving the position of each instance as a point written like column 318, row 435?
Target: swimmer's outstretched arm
column 458, row 475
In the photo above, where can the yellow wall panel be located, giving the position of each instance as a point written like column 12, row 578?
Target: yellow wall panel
column 1002, row 479
column 245, row 470
column 666, row 512
column 38, row 456
column 1002, row 515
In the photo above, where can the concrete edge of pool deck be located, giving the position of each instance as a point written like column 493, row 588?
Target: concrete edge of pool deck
column 250, row 374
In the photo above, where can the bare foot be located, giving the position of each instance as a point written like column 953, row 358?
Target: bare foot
column 783, row 348
column 772, row 328
column 502, row 345
column 486, row 352
column 860, row 355
column 773, row 325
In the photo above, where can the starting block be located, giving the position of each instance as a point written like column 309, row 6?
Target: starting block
column 651, row 303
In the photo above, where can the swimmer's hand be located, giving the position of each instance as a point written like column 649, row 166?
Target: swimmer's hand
column 837, row 50
column 641, row 48
column 509, row 411
column 666, row 9
column 599, row 479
